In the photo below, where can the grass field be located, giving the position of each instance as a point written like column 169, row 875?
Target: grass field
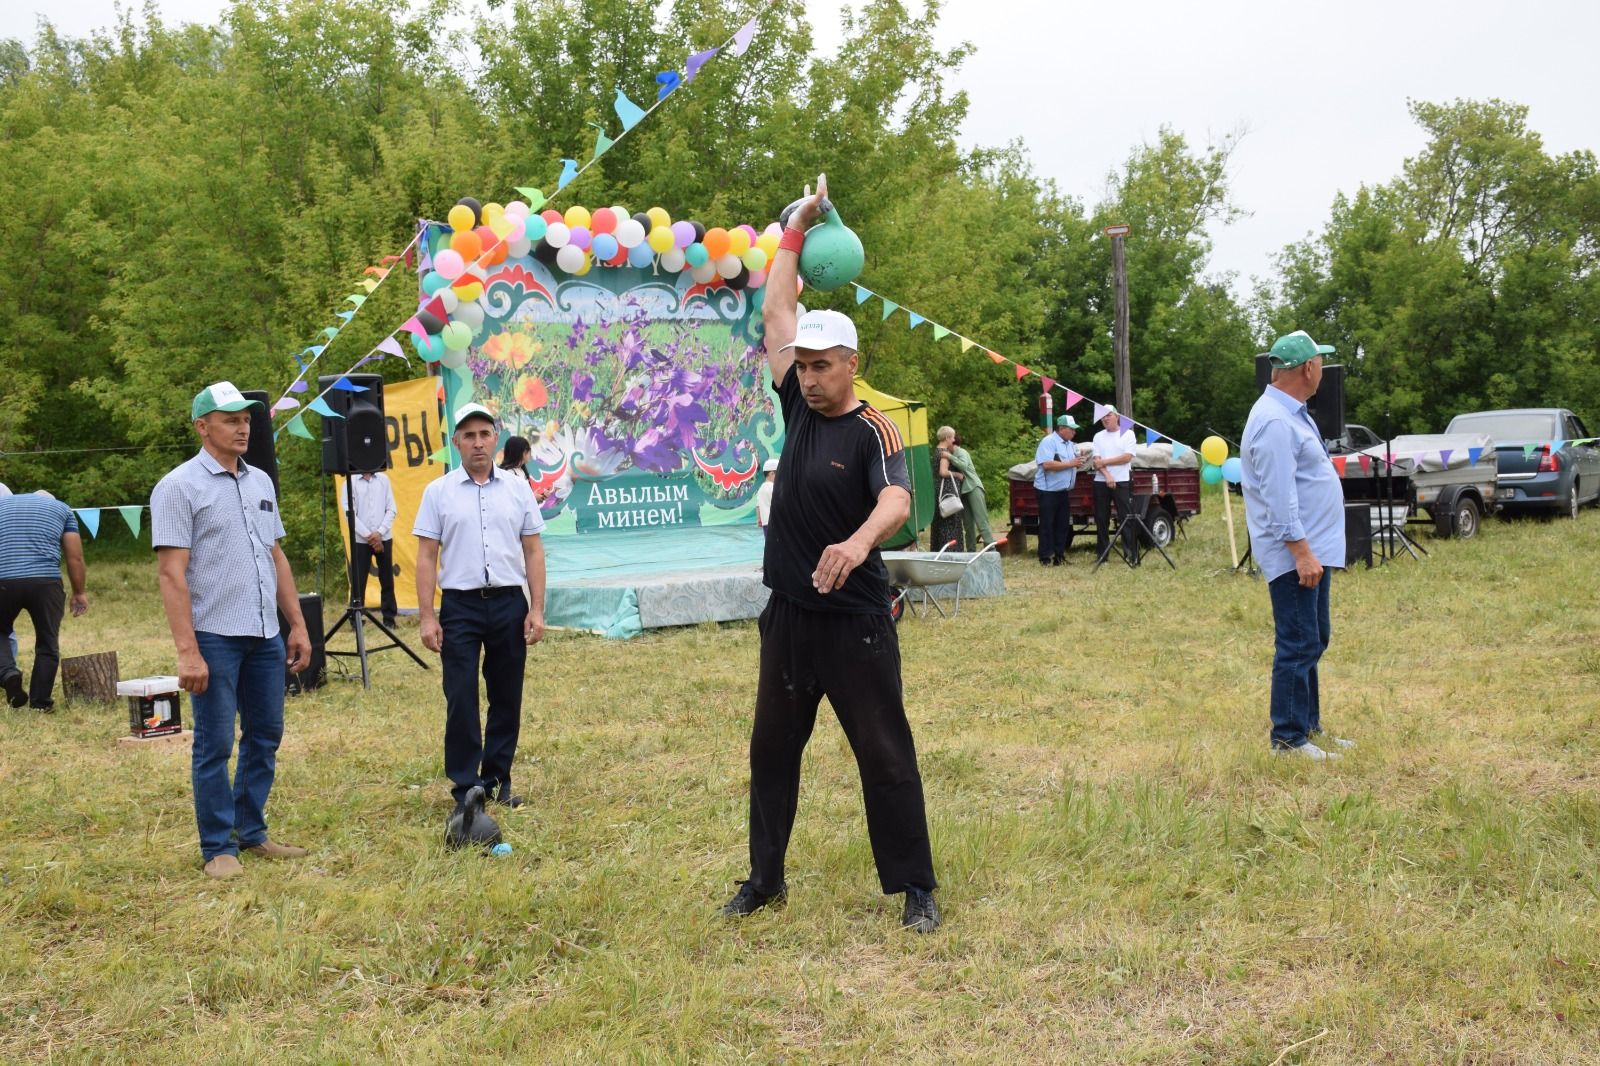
column 1127, row 875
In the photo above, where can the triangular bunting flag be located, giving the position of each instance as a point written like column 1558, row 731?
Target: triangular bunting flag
column 1444, row 456
column 1099, row 412
column 381, row 272
column 442, row 455
column 627, row 111
column 413, row 325
column 435, row 307
column 863, row 294
column 298, row 386
column 569, row 170
column 355, row 298
column 1046, row 383
column 132, row 515
column 939, row 332
column 1366, row 464
column 1557, row 445
column 330, row 332
column 916, row 319
column 346, row 315
column 668, row 80
column 994, row 357
column 1473, row 455
column 1527, row 450
column 1124, row 423
column 1338, row 464
column 966, row 344
column 297, row 428
column 1073, row 399
column 1179, row 450
column 90, row 517
column 1150, row 435
column 741, row 40
column 285, row 404
column 889, row 308
column 1022, row 371
column 391, row 346
column 602, row 143
column 534, row 197
column 696, row 61
column 344, row 384
column 370, row 284
column 320, row 406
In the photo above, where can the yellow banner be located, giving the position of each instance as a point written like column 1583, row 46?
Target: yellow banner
column 411, row 410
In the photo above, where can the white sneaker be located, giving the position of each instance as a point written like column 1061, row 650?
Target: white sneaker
column 1308, row 750
column 1342, row 742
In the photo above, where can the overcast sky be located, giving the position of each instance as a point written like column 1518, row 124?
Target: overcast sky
column 1319, row 88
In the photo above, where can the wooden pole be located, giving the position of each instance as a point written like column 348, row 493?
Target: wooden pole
column 1227, row 510
column 1119, row 327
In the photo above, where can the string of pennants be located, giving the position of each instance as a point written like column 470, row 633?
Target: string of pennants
column 132, row 514
column 629, row 114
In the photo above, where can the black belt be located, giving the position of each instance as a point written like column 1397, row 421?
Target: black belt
column 486, row 593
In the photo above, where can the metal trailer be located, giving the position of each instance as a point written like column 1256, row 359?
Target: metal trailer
column 1164, row 495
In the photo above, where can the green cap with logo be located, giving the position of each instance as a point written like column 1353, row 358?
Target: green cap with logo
column 1066, row 422
column 1296, row 348
column 220, row 397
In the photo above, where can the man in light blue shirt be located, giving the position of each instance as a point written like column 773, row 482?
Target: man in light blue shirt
column 1055, row 472
column 1294, row 508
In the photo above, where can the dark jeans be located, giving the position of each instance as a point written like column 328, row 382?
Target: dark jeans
column 1055, row 523
column 361, row 559
column 854, row 660
column 490, row 626
column 1122, row 494
column 246, row 680
column 45, row 600
column 1300, row 616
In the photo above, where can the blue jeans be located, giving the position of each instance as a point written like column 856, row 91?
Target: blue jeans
column 247, row 679
column 1300, row 616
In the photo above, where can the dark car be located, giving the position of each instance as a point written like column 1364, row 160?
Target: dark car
column 1548, row 460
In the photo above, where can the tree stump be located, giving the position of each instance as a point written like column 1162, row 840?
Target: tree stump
column 90, row 677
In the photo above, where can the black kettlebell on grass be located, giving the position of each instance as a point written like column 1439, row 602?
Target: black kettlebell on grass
column 469, row 825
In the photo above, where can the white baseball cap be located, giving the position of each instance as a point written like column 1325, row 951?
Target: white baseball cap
column 769, row 466
column 473, row 410
column 820, row 330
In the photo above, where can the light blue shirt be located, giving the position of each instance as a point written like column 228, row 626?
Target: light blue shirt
column 1291, row 491
column 1057, row 450
column 479, row 528
column 31, row 528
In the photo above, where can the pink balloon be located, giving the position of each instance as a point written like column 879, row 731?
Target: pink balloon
column 449, row 264
column 748, row 228
column 758, row 279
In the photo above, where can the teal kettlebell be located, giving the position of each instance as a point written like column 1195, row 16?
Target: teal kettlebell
column 832, row 255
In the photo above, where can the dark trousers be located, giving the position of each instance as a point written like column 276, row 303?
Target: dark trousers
column 1055, row 523
column 45, row 600
column 490, row 626
column 1303, row 628
column 361, row 559
column 854, row 660
column 1104, row 495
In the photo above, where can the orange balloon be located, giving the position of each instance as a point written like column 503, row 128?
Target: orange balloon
column 717, row 242
column 468, row 243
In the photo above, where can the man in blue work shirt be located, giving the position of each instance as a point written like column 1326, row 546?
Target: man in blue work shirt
column 1295, row 511
column 1055, row 472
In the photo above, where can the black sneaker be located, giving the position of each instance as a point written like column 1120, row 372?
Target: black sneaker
column 749, row 899
column 921, row 913
column 13, row 686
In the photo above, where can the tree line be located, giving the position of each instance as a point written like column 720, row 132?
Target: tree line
column 193, row 202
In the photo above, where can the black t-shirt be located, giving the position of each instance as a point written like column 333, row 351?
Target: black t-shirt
column 829, row 477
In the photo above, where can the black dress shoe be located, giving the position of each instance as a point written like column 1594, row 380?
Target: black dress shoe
column 505, row 799
column 922, row 913
column 13, row 686
column 749, row 899
column 1058, row 560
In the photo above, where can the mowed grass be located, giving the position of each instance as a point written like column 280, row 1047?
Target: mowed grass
column 1127, row 875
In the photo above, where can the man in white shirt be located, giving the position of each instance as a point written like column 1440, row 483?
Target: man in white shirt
column 769, row 474
column 1113, row 474
column 373, row 498
column 486, row 524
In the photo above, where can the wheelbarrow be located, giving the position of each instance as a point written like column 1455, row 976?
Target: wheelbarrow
column 925, row 571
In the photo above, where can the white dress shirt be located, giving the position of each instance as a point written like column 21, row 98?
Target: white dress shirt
column 374, row 505
column 479, row 528
column 1109, row 443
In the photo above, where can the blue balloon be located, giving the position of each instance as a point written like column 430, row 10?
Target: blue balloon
column 604, row 247
column 696, row 254
column 1233, row 470
column 534, row 228
column 640, row 255
column 433, row 282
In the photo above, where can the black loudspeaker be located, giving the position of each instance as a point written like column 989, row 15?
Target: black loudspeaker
column 261, row 454
column 1263, row 372
column 1327, row 406
column 316, row 671
column 1357, row 534
column 356, row 441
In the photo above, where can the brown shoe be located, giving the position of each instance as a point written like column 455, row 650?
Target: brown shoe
column 221, row 867
column 270, row 850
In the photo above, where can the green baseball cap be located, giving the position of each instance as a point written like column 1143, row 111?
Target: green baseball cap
column 1066, row 422
column 220, row 397
column 1296, row 348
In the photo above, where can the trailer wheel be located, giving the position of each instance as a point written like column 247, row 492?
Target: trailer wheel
column 1160, row 524
column 1465, row 518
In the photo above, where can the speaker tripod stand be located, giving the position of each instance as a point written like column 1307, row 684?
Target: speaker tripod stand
column 356, row 612
column 1391, row 535
column 1114, row 543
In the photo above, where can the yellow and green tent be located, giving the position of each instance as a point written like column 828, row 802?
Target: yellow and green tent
column 911, row 418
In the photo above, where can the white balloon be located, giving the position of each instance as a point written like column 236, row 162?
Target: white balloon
column 517, row 209
column 704, row 273
column 629, row 233
column 729, row 266
column 468, row 314
column 672, row 260
column 519, row 249
column 557, row 235
column 453, row 359
column 621, row 212
column 448, row 297
column 570, row 258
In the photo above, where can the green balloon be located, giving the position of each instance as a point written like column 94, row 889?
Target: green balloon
column 1210, row 474
column 456, row 335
